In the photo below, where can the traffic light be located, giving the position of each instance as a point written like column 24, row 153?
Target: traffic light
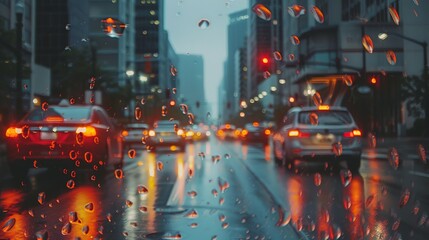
column 374, row 80
column 264, row 63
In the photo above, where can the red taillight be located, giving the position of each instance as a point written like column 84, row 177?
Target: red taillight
column 354, row 133
column 88, row 131
column 267, row 131
column 13, row 132
column 124, row 133
column 297, row 133
column 244, row 133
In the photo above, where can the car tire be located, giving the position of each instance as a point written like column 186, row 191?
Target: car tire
column 354, row 164
column 18, row 171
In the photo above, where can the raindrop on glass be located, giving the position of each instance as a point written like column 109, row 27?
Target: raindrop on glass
column 88, row 157
column 393, row 157
column 346, row 177
column 405, row 197
column 266, row 74
column 142, row 189
column 294, row 40
column 66, row 229
column 41, row 198
column 348, row 80
column 45, row 106
column 42, row 235
column 72, row 101
column 137, row 113
column 314, row 118
column 391, row 57
column 277, row 56
column 119, row 174
column 262, row 11
column 214, row 192
column 317, row 99
column 184, row 108
column 192, row 214
column 109, row 217
column 173, row 70
column 31, row 212
column 369, row 200
column 394, row 14
column 204, row 23
column 70, row 184
column 227, row 156
column 159, row 166
column 372, row 140
column 395, row 224
column 337, row 149
column 190, row 118
column 89, row 207
column 317, row 179
column 85, row 229
column 192, row 194
column 132, row 153
column 317, row 14
column 8, row 225
column 296, row 10
column 143, row 209
column 416, row 208
column 225, row 225
column 68, row 27
column 142, row 101
column 25, row 132
column 73, row 217
column 367, row 43
column 291, row 57
column 164, row 111
column 347, row 202
column 128, row 203
column 422, row 153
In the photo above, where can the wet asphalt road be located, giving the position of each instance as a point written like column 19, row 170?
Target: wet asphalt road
column 224, row 190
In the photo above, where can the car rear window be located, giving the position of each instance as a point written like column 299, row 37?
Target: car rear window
column 66, row 113
column 326, row 117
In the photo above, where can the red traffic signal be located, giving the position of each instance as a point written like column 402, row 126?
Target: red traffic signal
column 264, row 60
column 374, row 80
column 264, row 63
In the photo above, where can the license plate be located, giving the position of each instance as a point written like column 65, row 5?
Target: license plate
column 48, row 135
column 165, row 134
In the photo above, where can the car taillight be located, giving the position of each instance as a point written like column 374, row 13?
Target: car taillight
column 152, row 133
column 188, row 133
column 145, row 132
column 354, row 133
column 297, row 133
column 267, row 131
column 13, row 132
column 237, row 132
column 244, row 133
column 87, row 131
column 124, row 133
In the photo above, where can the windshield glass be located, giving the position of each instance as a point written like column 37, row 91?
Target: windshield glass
column 214, row 119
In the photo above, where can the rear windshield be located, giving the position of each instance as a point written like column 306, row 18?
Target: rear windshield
column 137, row 126
column 66, row 113
column 326, row 117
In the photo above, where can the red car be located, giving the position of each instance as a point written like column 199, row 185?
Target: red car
column 61, row 136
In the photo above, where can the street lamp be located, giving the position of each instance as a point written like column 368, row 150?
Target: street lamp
column 385, row 35
column 19, row 8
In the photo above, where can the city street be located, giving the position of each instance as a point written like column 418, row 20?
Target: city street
column 224, row 190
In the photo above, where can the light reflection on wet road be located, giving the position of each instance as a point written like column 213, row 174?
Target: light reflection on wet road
column 241, row 195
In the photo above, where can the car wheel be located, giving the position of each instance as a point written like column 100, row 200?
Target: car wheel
column 354, row 164
column 19, row 172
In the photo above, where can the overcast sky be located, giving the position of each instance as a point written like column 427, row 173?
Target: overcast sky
column 181, row 22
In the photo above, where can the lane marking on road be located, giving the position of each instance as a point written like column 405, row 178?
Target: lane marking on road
column 419, row 174
column 177, row 192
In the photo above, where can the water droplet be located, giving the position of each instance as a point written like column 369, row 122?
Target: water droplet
column 337, row 149
column 42, row 235
column 266, row 74
column 85, row 229
column 223, row 185
column 394, row 14
column 66, row 229
column 326, row 215
column 73, row 174
column 227, row 156
column 416, row 207
column 262, row 11
column 132, row 153
column 221, row 201
column 119, row 174
column 291, row 57
column 318, row 14
column 73, row 217
column 405, row 197
column 31, row 212
column 314, row 118
column 214, row 192
column 184, row 108
column 215, row 158
column 395, row 224
column 416, row 2
column 204, row 23
column 128, row 203
column 41, row 198
column 369, row 200
column 372, row 141
column 113, row 27
column 143, row 101
column 394, row 158
column 100, row 230
column 348, row 80
column 25, row 132
column 391, row 57
column 159, row 166
column 45, row 106
column 8, row 225
column 294, row 40
column 137, row 113
column 317, row 179
column 88, row 157
column 192, row 214
column 142, row 189
column 317, row 99
column 89, row 207
column 277, row 56
column 109, row 217
column 70, row 184
column 367, row 43
column 164, row 111
column 72, row 101
column 173, row 70
column 225, row 225
column 296, row 10
column 79, row 138
column 68, row 27
column 192, row 194
column 347, row 202
column 422, row 153
column 67, row 48
column 190, row 118
column 346, row 177
column 190, row 172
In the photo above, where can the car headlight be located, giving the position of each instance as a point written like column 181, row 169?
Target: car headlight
column 152, row 133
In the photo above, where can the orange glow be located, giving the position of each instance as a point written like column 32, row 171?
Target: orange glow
column 87, row 131
column 323, row 107
column 357, row 197
column 267, row 131
column 295, row 199
column 373, row 80
column 172, row 103
column 354, row 133
column 244, row 132
column 10, row 200
column 293, row 133
column 357, row 132
column 152, row 133
column 237, row 132
column 125, row 133
column 291, row 99
column 173, row 148
column 189, row 133
column 54, row 119
column 227, row 126
column 13, row 132
column 220, row 133
column 265, row 60
column 255, row 124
